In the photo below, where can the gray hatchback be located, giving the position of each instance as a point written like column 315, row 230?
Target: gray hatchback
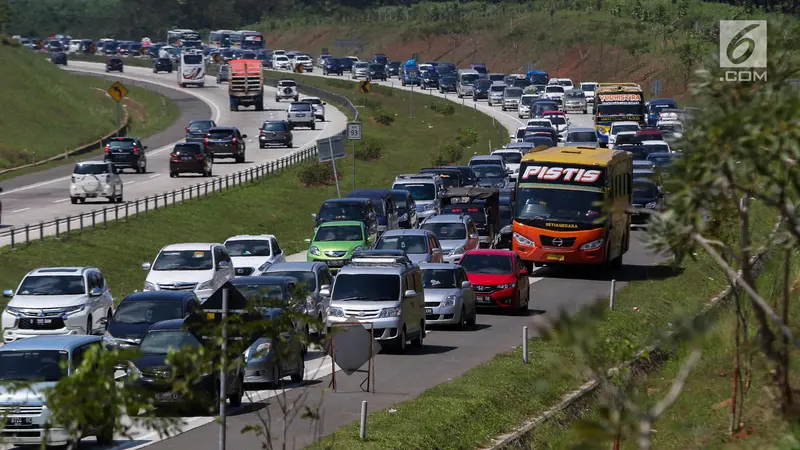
column 421, row 246
column 449, row 298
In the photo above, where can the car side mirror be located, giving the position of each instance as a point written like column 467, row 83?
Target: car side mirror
column 324, row 103
column 372, row 215
column 523, row 272
column 96, row 292
column 314, row 216
column 8, row 293
column 466, row 285
column 325, row 292
column 244, row 136
column 104, row 321
column 145, row 147
column 371, row 239
column 410, row 293
column 146, row 266
column 223, row 265
column 307, row 241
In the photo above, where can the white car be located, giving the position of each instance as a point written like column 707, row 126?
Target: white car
column 199, row 267
column 95, row 179
column 624, row 137
column 74, row 46
column 672, row 126
column 566, row 83
column 318, row 105
column 57, row 301
column 658, row 146
column 560, row 123
column 280, row 62
column 308, row 64
column 540, row 122
column 252, row 255
column 512, row 159
column 525, row 104
column 556, row 93
column 588, row 88
column 616, row 127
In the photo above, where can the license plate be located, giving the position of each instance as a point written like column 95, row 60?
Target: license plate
column 186, row 158
column 17, row 421
column 555, row 257
column 299, row 115
column 336, row 263
column 483, row 299
column 43, row 321
column 168, row 397
column 211, row 315
column 428, row 310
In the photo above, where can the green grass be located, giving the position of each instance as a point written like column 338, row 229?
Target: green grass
column 498, row 396
column 279, row 205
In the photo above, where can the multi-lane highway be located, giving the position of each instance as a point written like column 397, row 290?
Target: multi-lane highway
column 44, row 196
column 446, row 355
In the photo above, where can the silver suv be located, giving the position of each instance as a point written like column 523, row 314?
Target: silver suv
column 511, row 98
column 360, row 70
column 381, row 289
column 426, row 189
column 457, row 234
column 286, row 89
column 302, row 114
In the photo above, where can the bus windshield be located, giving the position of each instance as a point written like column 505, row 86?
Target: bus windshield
column 564, row 205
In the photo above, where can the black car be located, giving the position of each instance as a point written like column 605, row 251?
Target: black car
column 345, row 64
column 360, row 209
column 506, row 222
column 274, row 132
column 647, row 196
column 59, row 58
column 450, row 176
column 380, row 58
column 639, row 152
column 162, row 65
column 468, row 176
column 197, row 129
column 447, row 84
column 446, row 68
column 114, row 65
column 481, row 89
column 190, row 157
column 490, row 176
column 331, row 66
column 226, row 142
column 153, row 373
column 406, row 209
column 393, row 68
column 126, row 153
column 377, row 72
column 430, row 79
column 140, row 310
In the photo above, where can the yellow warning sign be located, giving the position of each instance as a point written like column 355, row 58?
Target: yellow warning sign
column 117, row 91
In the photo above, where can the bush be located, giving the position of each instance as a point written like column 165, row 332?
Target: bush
column 369, row 150
column 372, row 105
column 318, row 174
column 439, row 159
column 383, row 117
column 445, row 108
column 452, row 151
column 467, row 137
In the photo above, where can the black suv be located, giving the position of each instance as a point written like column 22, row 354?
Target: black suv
column 430, row 79
column 447, row 83
column 114, row 65
column 332, row 65
column 360, row 209
column 59, row 58
column 162, row 65
column 225, row 142
column 377, row 71
column 126, row 153
column 197, row 129
column 275, row 132
column 393, row 68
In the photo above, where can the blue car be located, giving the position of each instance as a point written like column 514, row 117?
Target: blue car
column 656, row 106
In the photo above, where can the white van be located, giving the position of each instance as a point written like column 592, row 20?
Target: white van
column 191, row 70
column 74, row 46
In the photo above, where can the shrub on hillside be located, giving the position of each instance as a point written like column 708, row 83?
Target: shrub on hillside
column 452, row 151
column 383, row 117
column 317, row 174
column 369, row 150
column 467, row 137
column 373, row 105
column 439, row 159
column 445, row 108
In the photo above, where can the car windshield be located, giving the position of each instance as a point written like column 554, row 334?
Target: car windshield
column 307, row 279
column 220, row 134
column 588, row 87
column 513, row 92
column 647, row 190
column 510, row 157
column 673, row 127
column 193, row 59
column 565, row 82
column 554, row 89
column 262, row 294
column 582, row 136
column 573, row 95
column 273, row 126
column 201, row 126
column 528, row 100
column 448, row 179
column 557, row 120
column 413, row 245
column 655, row 109
column 497, row 88
column 52, row 285
column 419, row 191
column 638, row 152
column 144, row 312
column 33, row 365
column 448, row 80
column 539, row 140
column 661, row 161
column 660, row 148
column 618, row 110
column 446, row 231
column 339, row 233
column 558, row 204
column 487, row 264
column 400, row 201
column 184, row 260
column 249, row 247
column 120, row 145
column 312, row 100
column 362, row 287
column 341, row 211
column 489, row 171
column 90, row 169
column 438, row 279
column 477, row 213
column 627, row 127
column 160, row 342
column 192, row 149
column 300, row 107
column 469, row 78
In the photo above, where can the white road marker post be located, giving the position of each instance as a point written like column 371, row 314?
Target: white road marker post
column 363, row 432
column 525, row 345
column 611, row 295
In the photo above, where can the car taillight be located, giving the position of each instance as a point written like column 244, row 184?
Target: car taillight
column 235, row 141
column 263, row 133
column 286, row 133
column 199, row 156
column 173, row 155
column 108, row 148
column 206, row 142
column 187, row 129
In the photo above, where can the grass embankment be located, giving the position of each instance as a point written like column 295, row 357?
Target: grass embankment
column 500, row 395
column 280, row 205
column 586, row 39
column 47, row 111
column 700, row 419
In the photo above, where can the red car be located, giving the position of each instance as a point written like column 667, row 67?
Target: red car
column 499, row 279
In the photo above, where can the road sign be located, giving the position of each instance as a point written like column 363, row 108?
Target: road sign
column 656, row 87
column 325, row 51
column 349, row 43
column 364, row 86
column 354, row 131
column 332, row 147
column 117, row 91
column 299, row 68
column 353, row 346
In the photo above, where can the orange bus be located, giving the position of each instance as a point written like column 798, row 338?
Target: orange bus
column 561, row 197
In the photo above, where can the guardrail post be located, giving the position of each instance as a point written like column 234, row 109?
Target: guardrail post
column 58, row 230
column 146, row 205
column 137, row 207
column 240, row 178
column 183, row 195
column 69, row 226
column 227, row 182
column 116, row 212
column 105, row 217
column 94, row 220
column 165, row 200
column 27, row 235
column 12, row 237
column 80, row 221
column 173, row 197
column 41, row 230
column 155, row 201
column 198, row 191
column 206, row 188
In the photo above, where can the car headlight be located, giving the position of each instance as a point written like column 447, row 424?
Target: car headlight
column 507, row 229
column 650, row 205
column 264, row 266
column 148, row 286
column 403, row 218
column 391, row 312
column 450, row 300
column 522, row 240
column 205, row 285
column 335, row 312
column 597, row 243
column 314, row 250
column 73, row 309
column 133, row 371
column 14, row 311
column 109, row 339
column 262, row 349
column 429, row 206
column 506, row 286
column 457, row 251
column 359, row 248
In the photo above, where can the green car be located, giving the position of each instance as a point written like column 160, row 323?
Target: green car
column 335, row 242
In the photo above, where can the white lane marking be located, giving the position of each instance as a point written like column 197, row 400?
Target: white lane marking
column 62, row 200
column 155, row 175
column 19, row 210
column 128, row 182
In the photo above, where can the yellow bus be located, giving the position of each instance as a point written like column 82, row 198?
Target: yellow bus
column 560, row 200
column 617, row 102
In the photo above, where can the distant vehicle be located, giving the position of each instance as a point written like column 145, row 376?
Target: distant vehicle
column 139, row 311
column 480, row 68
column 246, row 84
column 575, row 100
column 252, row 255
column 581, row 137
column 226, row 142
column 192, row 70
column 421, row 246
column 270, row 358
column 466, row 80
column 447, row 83
column 646, row 195
column 449, row 297
column 616, row 127
column 499, row 279
column 197, row 129
column 114, row 65
column 286, row 89
column 360, row 70
column 126, row 153
column 318, row 105
column 312, row 277
column 490, row 176
column 190, row 157
column 251, row 40
column 305, row 61
column 457, row 233
column 511, row 98
column 377, row 72
column 588, row 88
column 95, row 179
column 59, row 58
column 656, row 106
column 393, row 68
column 406, row 209
column 359, row 209
column 496, row 93
column 425, row 189
column 512, row 160
column 224, row 74
column 334, row 243
column 162, row 65
column 430, row 79
column 384, row 204
column 199, row 267
column 331, row 66
column 275, row 132
column 301, row 114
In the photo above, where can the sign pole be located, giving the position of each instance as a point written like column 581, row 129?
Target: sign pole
column 222, row 370
column 119, row 106
column 411, row 104
column 335, row 175
column 354, row 165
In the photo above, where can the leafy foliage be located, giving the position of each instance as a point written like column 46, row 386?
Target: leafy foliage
column 443, row 107
column 318, row 174
column 369, row 150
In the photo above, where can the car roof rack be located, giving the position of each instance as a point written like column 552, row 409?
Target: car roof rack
column 380, row 258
